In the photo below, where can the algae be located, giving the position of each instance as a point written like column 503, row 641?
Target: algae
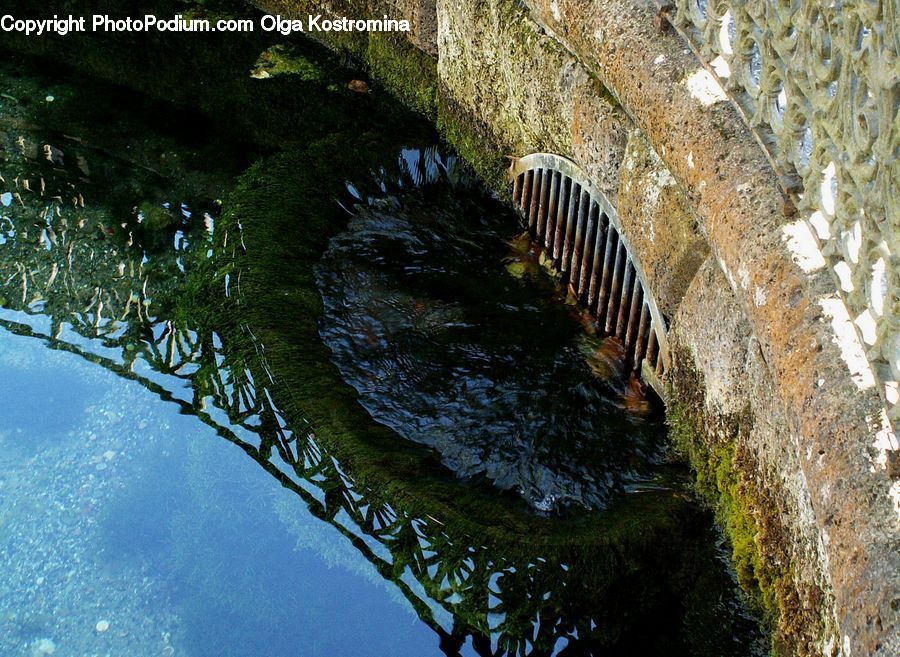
column 748, row 513
column 608, row 554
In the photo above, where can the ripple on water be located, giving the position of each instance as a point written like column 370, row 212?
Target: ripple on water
column 451, row 347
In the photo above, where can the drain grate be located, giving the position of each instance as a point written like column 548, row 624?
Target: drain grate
column 580, row 233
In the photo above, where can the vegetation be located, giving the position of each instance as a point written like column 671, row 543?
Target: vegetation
column 749, row 515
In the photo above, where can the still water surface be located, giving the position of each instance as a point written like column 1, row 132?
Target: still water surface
column 308, row 395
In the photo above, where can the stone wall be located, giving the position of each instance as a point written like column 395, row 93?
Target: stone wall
column 726, row 417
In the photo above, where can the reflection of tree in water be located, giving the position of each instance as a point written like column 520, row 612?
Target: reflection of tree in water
column 104, row 283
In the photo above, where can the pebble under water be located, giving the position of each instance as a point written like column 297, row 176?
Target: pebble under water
column 277, row 377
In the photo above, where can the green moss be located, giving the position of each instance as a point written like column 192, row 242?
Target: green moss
column 720, row 482
column 155, row 217
column 283, row 60
column 406, row 71
column 748, row 513
column 474, row 142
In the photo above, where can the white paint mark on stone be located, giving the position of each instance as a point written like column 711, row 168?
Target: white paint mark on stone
column 725, row 35
column 821, row 224
column 842, row 269
column 803, row 247
column 721, row 67
column 866, row 324
column 846, row 339
column 759, row 296
column 892, row 391
column 728, row 274
column 885, row 441
column 853, row 240
column 690, row 160
column 704, row 87
column 554, row 9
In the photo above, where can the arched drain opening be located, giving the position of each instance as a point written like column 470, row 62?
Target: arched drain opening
column 579, row 230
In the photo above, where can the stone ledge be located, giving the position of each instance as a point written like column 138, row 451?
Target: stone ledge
column 725, row 418
column 734, row 192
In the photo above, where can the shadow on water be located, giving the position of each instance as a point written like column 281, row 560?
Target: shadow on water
column 326, row 309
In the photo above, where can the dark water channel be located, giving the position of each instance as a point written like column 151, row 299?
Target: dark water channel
column 277, row 377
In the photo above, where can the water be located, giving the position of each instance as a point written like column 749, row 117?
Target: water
column 452, row 342
column 229, row 349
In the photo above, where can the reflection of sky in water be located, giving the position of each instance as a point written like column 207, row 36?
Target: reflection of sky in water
column 147, row 520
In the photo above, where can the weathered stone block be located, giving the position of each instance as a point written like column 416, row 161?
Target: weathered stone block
column 660, row 225
column 726, row 418
column 498, row 65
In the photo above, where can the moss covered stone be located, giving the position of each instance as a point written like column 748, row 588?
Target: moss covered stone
column 405, row 70
column 475, row 141
column 749, row 512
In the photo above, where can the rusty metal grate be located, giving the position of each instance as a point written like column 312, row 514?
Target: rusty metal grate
column 581, row 235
